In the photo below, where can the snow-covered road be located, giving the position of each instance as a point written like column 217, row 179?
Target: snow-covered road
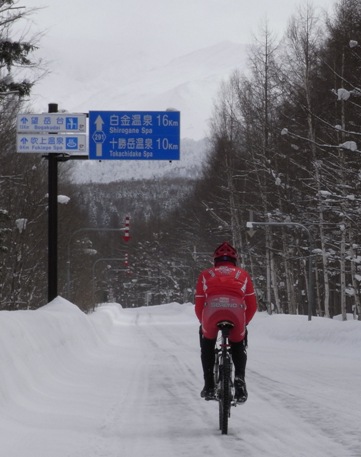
column 126, row 382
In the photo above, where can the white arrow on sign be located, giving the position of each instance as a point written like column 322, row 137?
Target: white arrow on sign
column 99, row 136
column 99, row 123
column 249, row 225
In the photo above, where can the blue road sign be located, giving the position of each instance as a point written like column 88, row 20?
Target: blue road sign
column 134, row 135
column 51, row 122
column 60, row 143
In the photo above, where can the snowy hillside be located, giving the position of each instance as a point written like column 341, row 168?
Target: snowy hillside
column 188, row 83
column 127, row 381
column 145, row 200
column 189, row 166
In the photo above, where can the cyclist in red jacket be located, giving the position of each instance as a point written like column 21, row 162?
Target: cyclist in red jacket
column 224, row 292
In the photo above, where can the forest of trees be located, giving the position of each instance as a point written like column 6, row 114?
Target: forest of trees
column 283, row 151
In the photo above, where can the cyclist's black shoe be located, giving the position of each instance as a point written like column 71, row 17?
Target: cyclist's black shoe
column 240, row 393
column 208, row 393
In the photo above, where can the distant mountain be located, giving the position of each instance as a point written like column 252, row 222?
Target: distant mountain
column 188, row 83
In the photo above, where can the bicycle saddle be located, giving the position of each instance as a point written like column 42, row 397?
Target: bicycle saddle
column 225, row 324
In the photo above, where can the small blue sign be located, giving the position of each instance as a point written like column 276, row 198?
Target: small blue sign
column 59, row 143
column 51, row 123
column 134, row 135
column 71, row 123
column 71, row 143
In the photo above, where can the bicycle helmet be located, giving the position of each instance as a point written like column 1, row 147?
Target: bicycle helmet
column 225, row 252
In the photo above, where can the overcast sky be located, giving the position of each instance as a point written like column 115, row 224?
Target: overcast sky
column 157, row 25
column 83, row 36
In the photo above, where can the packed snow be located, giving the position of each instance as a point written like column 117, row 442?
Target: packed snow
column 126, row 382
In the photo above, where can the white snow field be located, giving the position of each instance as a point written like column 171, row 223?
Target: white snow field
column 126, row 382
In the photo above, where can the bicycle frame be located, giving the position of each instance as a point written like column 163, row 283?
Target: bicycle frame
column 223, row 378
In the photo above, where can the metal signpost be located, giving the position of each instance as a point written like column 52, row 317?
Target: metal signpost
column 134, row 135
column 59, row 136
column 113, row 135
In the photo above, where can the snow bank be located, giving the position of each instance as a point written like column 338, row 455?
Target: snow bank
column 111, row 314
column 42, row 344
column 279, row 328
column 318, row 332
column 38, row 344
column 107, row 315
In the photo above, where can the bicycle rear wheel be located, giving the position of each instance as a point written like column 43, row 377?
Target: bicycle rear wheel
column 225, row 395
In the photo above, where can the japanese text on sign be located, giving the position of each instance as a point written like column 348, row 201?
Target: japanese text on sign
column 51, row 122
column 134, row 135
column 51, row 143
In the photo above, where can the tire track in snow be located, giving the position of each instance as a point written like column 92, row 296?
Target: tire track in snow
column 316, row 422
column 155, row 415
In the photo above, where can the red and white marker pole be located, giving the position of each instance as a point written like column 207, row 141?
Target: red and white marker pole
column 127, row 236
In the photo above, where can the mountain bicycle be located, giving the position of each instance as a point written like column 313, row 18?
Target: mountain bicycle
column 223, row 379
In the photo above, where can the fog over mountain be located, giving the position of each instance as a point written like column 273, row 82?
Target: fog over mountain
column 188, row 83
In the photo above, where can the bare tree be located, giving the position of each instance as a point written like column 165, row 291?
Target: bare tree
column 21, row 178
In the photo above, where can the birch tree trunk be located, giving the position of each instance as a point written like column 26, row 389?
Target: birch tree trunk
column 343, row 275
column 268, row 271
column 289, row 277
column 277, row 302
column 355, row 284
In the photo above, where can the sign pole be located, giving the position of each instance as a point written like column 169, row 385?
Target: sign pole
column 59, row 136
column 52, row 220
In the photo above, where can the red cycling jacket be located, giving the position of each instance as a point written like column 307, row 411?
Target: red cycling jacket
column 225, row 292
